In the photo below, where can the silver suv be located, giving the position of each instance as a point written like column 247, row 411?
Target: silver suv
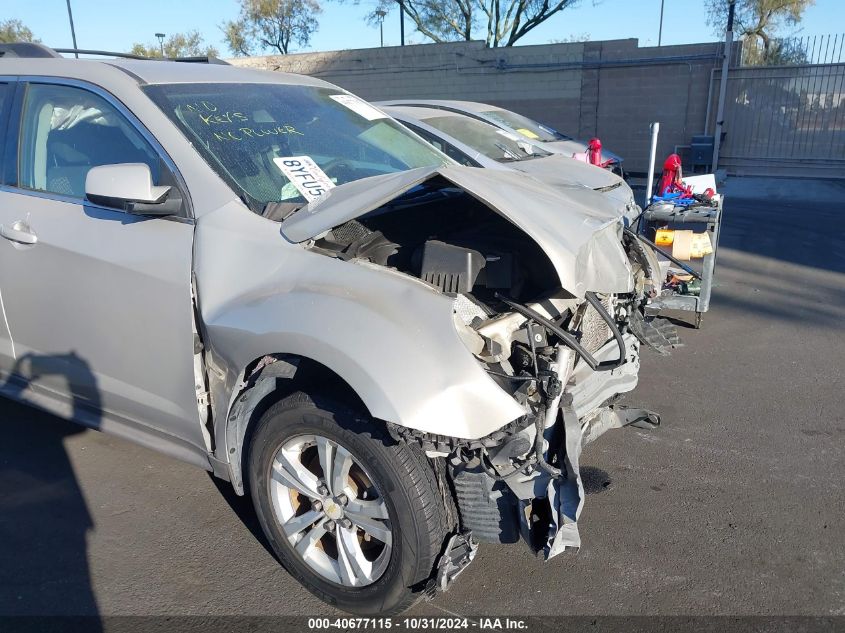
column 260, row 274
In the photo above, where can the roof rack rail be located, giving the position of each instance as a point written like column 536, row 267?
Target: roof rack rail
column 200, row 59
column 26, row 49
column 203, row 59
column 86, row 51
column 30, row 50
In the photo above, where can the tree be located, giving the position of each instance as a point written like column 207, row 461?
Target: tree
column 502, row 22
column 188, row 44
column 15, row 31
column 757, row 22
column 271, row 25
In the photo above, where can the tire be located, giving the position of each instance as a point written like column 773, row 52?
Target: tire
column 392, row 479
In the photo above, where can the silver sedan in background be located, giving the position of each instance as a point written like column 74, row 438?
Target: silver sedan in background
column 551, row 139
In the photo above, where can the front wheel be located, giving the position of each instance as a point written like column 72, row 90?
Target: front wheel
column 351, row 513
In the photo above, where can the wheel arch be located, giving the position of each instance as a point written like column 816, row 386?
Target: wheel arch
column 266, row 380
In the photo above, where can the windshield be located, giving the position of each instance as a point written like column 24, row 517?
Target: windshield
column 491, row 141
column 286, row 143
column 529, row 128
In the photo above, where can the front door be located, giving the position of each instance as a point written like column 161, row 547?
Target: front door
column 98, row 301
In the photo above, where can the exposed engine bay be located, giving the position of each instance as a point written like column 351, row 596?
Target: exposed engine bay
column 562, row 357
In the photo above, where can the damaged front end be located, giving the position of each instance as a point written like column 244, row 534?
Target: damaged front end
column 564, row 361
column 544, row 295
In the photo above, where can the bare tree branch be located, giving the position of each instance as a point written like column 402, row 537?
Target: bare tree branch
column 494, row 21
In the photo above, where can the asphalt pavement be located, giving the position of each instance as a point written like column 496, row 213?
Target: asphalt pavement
column 733, row 506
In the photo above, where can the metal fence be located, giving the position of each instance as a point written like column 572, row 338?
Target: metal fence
column 794, row 51
column 786, row 118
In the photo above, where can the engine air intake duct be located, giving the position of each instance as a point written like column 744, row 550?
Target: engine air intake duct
column 452, row 269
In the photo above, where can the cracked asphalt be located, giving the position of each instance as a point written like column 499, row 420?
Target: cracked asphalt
column 733, row 506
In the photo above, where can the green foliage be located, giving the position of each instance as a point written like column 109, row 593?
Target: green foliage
column 15, row 31
column 773, row 52
column 497, row 22
column 757, row 23
column 188, row 44
column 271, row 25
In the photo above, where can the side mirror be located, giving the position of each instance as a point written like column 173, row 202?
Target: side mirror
column 127, row 186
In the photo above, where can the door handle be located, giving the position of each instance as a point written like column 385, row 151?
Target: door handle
column 19, row 232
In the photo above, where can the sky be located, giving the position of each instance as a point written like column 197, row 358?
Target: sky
column 116, row 24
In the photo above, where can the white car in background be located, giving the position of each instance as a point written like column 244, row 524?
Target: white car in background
column 551, row 139
column 475, row 143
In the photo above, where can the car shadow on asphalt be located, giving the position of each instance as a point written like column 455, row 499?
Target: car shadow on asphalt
column 44, row 519
column 243, row 509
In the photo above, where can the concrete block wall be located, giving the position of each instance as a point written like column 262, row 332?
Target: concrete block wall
column 611, row 89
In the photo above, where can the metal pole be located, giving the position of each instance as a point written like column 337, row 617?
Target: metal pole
column 709, row 101
column 402, row 24
column 381, row 14
column 723, row 86
column 72, row 30
column 160, row 37
column 660, row 32
column 655, row 130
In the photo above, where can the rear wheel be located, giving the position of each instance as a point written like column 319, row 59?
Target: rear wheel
column 354, row 515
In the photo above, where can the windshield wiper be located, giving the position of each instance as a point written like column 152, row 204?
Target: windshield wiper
column 279, row 211
column 508, row 152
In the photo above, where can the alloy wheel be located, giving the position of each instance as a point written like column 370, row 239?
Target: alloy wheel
column 330, row 510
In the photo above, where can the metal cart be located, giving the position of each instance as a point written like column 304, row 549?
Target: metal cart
column 660, row 215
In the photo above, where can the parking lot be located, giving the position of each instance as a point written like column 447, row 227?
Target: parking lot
column 733, row 506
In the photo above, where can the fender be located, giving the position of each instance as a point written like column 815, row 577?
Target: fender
column 397, row 349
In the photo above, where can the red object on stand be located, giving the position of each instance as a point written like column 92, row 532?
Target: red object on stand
column 672, row 179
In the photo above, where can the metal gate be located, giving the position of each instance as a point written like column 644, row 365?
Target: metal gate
column 785, row 115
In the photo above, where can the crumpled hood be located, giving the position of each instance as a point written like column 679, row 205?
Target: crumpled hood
column 562, row 172
column 579, row 231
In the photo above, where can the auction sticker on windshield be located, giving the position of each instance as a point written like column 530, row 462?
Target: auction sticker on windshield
column 528, row 133
column 359, row 107
column 304, row 174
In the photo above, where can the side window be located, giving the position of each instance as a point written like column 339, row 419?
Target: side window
column 65, row 131
column 5, row 91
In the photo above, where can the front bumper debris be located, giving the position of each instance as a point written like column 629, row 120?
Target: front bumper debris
column 459, row 553
column 565, row 495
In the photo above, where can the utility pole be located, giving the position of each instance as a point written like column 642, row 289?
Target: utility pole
column 402, row 24
column 660, row 32
column 381, row 13
column 72, row 30
column 160, row 37
column 723, row 85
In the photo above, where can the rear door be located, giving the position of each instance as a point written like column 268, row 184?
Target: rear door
column 98, row 301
